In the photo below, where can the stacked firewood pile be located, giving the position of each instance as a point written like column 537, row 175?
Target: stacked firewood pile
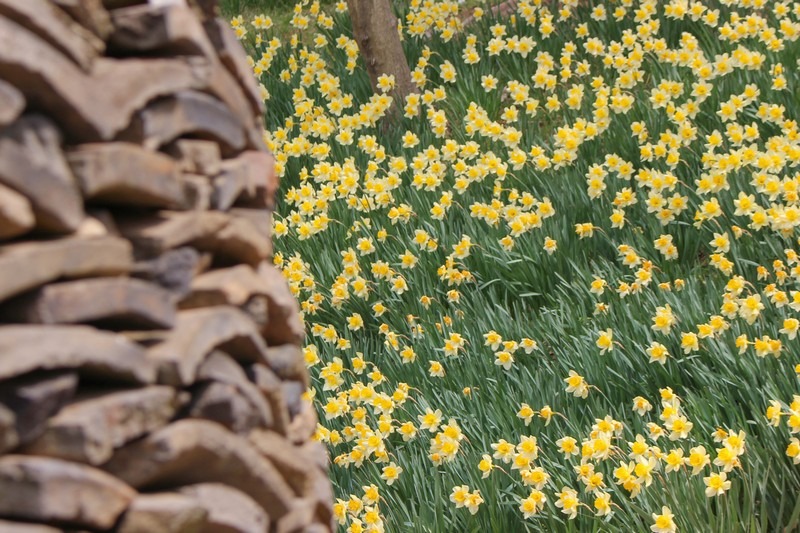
column 150, row 364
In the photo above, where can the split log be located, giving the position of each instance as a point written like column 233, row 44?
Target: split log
column 50, row 490
column 287, row 458
column 196, row 334
column 288, row 363
column 12, row 103
column 16, row 214
column 55, row 28
column 225, row 286
column 88, row 13
column 197, row 156
column 229, row 238
column 222, row 369
column 154, row 234
column 168, row 29
column 187, row 113
column 229, row 510
column 222, row 403
column 21, row 527
column 165, row 512
column 224, row 86
column 89, row 107
column 95, row 354
column 31, row 162
column 234, row 58
column 293, row 394
column 28, row 265
column 298, row 518
column 197, row 192
column 197, row 451
column 126, row 174
column 173, row 270
column 319, row 491
column 270, row 386
column 34, row 399
column 228, row 185
column 283, row 325
column 110, row 302
column 239, row 241
column 303, row 425
column 91, row 428
column 256, row 173
column 8, row 432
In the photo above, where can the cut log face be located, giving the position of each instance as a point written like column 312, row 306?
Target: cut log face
column 90, row 429
column 197, row 156
column 197, row 451
column 51, row 490
column 95, row 354
column 126, row 174
column 165, row 512
column 167, row 29
column 34, row 399
column 110, row 302
column 16, row 214
column 196, row 334
column 32, row 164
column 12, row 103
column 28, row 265
column 229, row 510
column 190, row 113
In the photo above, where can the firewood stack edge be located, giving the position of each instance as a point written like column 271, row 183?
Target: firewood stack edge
column 151, row 374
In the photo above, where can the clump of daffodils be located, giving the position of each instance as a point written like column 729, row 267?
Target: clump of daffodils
column 395, row 225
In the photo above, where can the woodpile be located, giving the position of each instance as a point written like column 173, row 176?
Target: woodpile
column 151, row 375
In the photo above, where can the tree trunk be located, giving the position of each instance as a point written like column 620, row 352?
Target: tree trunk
column 375, row 31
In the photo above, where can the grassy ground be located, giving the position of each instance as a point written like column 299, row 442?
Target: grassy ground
column 341, row 198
